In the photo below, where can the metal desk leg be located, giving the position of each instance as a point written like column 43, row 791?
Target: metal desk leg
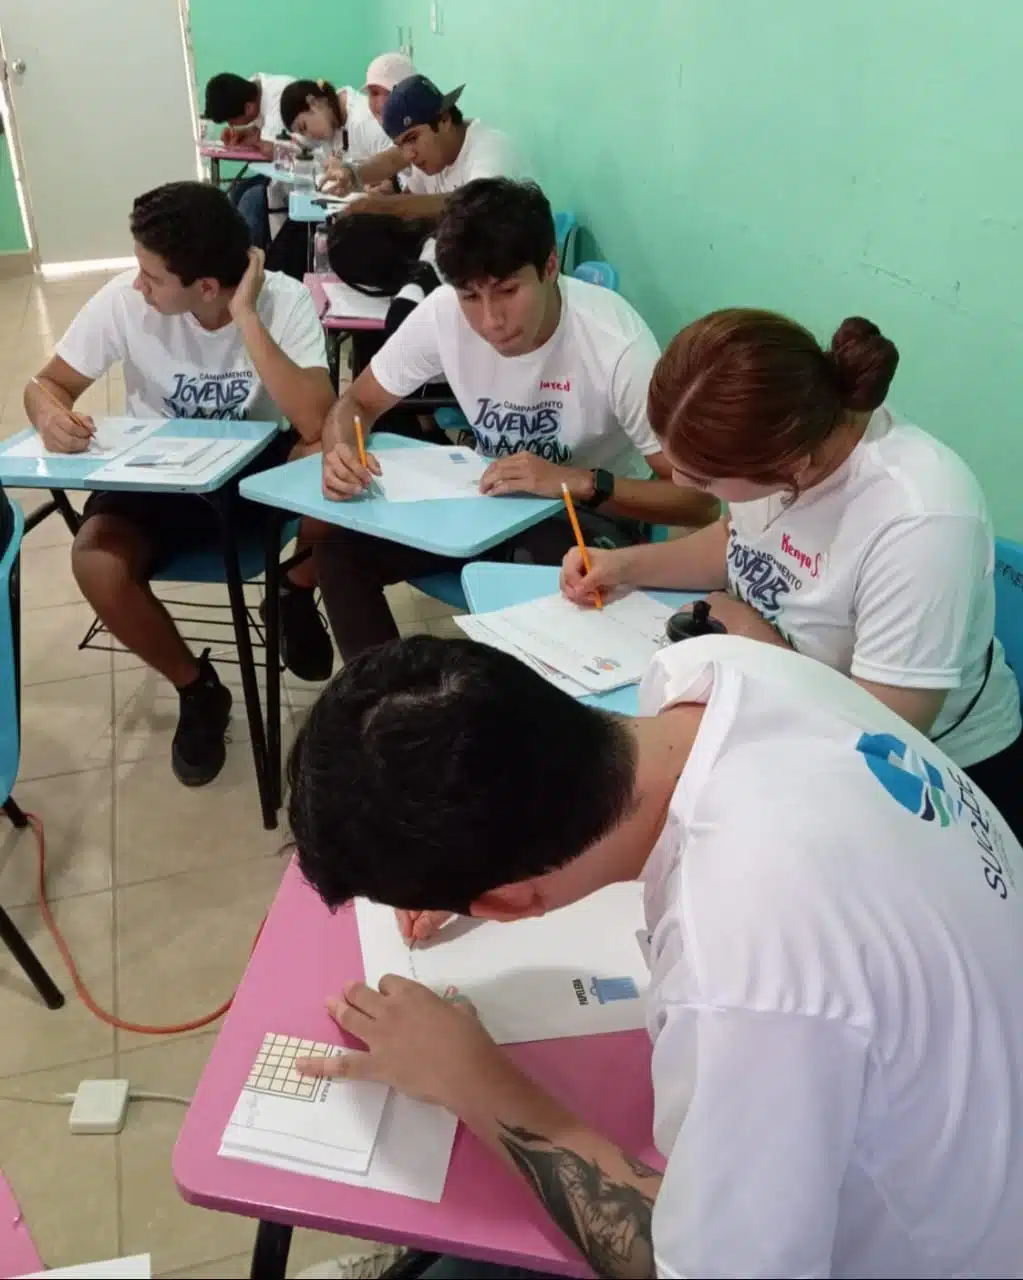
column 270, row 1252
column 215, row 170
column 11, row 935
column 272, row 622
column 250, row 686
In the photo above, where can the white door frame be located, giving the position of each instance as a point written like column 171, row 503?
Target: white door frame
column 14, row 140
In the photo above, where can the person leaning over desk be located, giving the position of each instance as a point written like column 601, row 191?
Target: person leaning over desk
column 853, row 537
column 551, row 374
column 835, row 947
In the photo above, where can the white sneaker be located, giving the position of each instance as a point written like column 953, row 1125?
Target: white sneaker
column 354, row 1266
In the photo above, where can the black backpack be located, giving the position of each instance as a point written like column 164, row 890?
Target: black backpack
column 376, row 253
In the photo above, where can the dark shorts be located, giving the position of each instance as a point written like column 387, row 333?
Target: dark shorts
column 175, row 523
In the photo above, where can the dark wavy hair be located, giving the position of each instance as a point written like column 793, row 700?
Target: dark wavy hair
column 493, row 227
column 296, row 95
column 195, row 229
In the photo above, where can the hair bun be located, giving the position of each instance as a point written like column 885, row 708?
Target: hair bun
column 864, row 362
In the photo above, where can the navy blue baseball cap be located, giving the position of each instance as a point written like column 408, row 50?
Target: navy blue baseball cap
column 415, row 101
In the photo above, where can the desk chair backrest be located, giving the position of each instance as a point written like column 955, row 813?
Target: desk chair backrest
column 12, row 525
column 565, row 227
column 1009, row 602
column 601, row 273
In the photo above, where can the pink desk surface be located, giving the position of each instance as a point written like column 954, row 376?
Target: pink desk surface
column 314, row 283
column 305, row 955
column 18, row 1255
column 246, row 155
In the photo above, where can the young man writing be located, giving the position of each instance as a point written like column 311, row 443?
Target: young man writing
column 443, row 150
column 836, row 947
column 251, row 109
column 551, row 374
column 200, row 332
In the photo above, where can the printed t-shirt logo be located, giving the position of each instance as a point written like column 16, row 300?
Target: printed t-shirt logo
column 909, row 779
column 210, row 395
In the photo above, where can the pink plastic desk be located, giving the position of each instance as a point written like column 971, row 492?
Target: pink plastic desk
column 346, row 324
column 305, row 955
column 214, row 154
column 18, row 1255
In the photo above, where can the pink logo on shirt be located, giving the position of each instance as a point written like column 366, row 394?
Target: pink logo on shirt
column 812, row 564
column 546, row 384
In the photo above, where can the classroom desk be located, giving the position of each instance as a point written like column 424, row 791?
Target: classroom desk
column 215, row 152
column 78, row 471
column 304, row 955
column 18, row 1256
column 337, row 328
column 458, row 528
column 490, row 586
column 302, row 206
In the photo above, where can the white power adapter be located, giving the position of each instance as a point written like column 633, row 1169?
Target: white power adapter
column 100, row 1106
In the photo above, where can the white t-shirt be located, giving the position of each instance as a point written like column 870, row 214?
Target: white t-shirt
column 885, row 572
column 485, row 153
column 835, row 999
column 173, row 367
column 366, row 138
column 271, row 126
column 580, row 400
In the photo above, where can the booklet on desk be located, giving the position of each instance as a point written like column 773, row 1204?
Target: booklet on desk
column 113, row 437
column 355, row 1132
column 137, row 1267
column 597, row 649
column 349, row 303
column 419, row 475
column 579, row 971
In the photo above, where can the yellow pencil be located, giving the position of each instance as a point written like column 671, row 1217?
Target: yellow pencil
column 574, row 519
column 57, row 404
column 361, row 439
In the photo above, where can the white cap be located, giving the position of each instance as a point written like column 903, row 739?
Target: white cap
column 388, row 70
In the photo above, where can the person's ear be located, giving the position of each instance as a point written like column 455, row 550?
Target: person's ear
column 209, row 288
column 553, row 266
column 510, row 902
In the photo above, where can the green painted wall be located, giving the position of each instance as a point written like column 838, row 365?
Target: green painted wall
column 12, row 234
column 820, row 159
column 246, row 36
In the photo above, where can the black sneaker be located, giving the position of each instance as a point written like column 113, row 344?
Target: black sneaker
column 305, row 641
column 198, row 752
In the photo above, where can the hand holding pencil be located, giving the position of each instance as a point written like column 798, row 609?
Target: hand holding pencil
column 62, row 430
column 584, row 554
column 348, row 472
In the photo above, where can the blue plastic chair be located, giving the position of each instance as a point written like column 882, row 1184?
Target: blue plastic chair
column 12, row 527
column 566, row 226
column 448, row 586
column 1009, row 602
column 599, row 273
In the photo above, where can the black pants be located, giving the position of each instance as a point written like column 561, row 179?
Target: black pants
column 1000, row 777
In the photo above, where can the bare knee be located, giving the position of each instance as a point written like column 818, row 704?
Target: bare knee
column 108, row 553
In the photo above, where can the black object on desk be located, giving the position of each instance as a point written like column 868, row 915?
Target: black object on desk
column 696, row 621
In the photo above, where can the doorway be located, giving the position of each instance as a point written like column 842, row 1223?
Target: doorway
column 102, row 107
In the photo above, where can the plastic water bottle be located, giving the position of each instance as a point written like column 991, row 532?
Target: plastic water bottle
column 284, row 153
column 305, row 170
column 321, row 262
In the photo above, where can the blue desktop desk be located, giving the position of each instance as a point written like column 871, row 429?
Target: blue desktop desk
column 459, row 528
column 489, row 586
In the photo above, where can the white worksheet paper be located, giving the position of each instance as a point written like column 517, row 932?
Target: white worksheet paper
column 415, row 475
column 353, row 305
column 410, row 1158
column 476, row 629
column 171, row 459
column 578, row 971
column 600, row 649
column 113, row 437
column 137, row 1267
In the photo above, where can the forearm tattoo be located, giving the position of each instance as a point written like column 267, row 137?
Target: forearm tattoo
column 609, row 1221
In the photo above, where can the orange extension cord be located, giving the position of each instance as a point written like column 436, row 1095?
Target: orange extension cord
column 36, row 823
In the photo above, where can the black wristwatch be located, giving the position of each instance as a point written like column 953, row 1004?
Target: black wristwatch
column 603, row 489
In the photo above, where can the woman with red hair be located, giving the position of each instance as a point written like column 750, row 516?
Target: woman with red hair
column 852, row 537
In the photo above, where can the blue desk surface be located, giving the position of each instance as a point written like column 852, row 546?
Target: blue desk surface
column 76, row 470
column 302, row 206
column 455, row 527
column 498, row 586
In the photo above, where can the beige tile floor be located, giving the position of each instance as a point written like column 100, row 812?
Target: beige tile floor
column 158, row 890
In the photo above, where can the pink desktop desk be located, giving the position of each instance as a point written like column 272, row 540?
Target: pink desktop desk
column 305, row 955
column 18, row 1255
column 214, row 154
